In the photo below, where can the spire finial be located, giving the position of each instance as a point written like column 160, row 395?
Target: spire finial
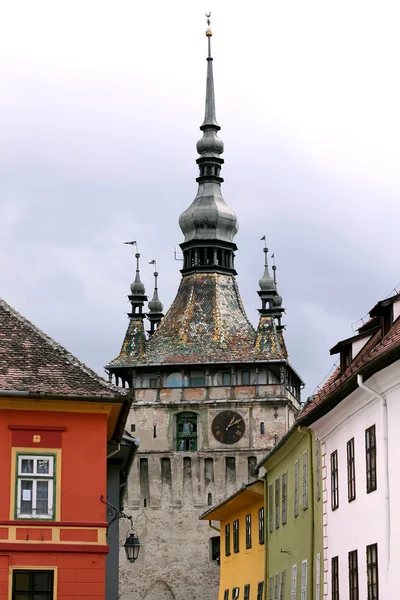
column 209, row 32
column 266, row 282
column 274, row 266
column 155, row 306
column 137, row 287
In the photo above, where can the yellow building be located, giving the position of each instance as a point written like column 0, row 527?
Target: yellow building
column 242, row 527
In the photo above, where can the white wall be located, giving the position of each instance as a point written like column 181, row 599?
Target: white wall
column 364, row 521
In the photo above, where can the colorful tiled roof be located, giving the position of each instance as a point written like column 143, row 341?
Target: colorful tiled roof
column 134, row 345
column 31, row 361
column 378, row 352
column 269, row 340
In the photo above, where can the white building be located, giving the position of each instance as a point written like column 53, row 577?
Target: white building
column 356, row 417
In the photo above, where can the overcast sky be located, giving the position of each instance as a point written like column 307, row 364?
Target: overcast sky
column 100, row 104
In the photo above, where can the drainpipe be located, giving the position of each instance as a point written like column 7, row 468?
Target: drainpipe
column 386, row 494
column 266, row 540
column 308, row 432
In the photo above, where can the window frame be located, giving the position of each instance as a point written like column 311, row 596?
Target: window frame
column 248, row 531
column 187, row 441
column 235, row 529
column 270, row 587
column 283, row 581
column 293, row 587
column 318, row 469
column 305, row 481
column 296, row 489
column 226, row 375
column 245, row 375
column 335, row 578
column 351, row 470
column 277, row 502
column 261, row 526
column 228, row 539
column 15, row 593
column 246, row 592
column 334, row 480
column 370, row 459
column 260, row 590
column 226, row 594
column 304, row 579
column 372, row 572
column 270, row 508
column 353, row 575
column 318, row 576
column 284, row 497
column 34, row 477
column 276, row 586
column 235, row 592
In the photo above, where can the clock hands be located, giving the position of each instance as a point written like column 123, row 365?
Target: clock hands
column 232, row 424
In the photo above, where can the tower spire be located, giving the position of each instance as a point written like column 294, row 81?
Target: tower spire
column 209, row 225
column 137, row 297
column 155, row 313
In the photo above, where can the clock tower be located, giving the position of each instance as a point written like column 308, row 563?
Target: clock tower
column 210, row 393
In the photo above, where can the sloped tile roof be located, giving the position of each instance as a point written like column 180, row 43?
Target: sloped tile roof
column 269, row 340
column 378, row 352
column 134, row 345
column 33, row 362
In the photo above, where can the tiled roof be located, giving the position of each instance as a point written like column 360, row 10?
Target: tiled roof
column 206, row 323
column 31, row 361
column 378, row 352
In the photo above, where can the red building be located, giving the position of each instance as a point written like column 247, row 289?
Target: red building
column 56, row 419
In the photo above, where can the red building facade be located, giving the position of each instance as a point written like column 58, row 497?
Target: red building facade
column 56, row 418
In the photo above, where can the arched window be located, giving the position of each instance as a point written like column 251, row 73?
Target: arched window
column 186, row 432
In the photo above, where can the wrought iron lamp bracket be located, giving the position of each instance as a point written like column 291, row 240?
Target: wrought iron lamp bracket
column 115, row 512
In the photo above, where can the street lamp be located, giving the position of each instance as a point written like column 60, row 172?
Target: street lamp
column 132, row 546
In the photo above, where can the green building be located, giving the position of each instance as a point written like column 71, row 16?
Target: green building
column 293, row 505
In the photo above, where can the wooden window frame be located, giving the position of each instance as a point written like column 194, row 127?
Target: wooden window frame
column 246, row 592
column 293, row 586
column 305, row 480
column 261, row 526
column 227, row 539
column 335, row 578
column 318, row 576
column 334, row 480
column 276, row 587
column 260, row 590
column 235, row 536
column 283, row 581
column 248, row 531
column 304, row 579
column 187, row 441
column 270, row 587
column 296, row 488
column 351, row 471
column 353, row 575
column 235, row 593
column 16, row 594
column 284, row 497
column 270, row 508
column 226, row 594
column 370, row 459
column 372, row 572
column 277, row 502
column 245, row 375
column 318, row 469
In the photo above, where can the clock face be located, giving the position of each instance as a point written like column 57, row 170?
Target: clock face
column 228, row 427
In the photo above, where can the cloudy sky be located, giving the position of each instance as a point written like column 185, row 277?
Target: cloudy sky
column 100, row 104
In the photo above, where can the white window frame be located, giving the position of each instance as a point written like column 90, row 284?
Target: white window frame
column 304, row 580
column 283, row 579
column 318, row 576
column 270, row 587
column 34, row 478
column 296, row 488
column 276, row 588
column 305, row 480
column 284, row 497
column 317, row 469
column 294, row 583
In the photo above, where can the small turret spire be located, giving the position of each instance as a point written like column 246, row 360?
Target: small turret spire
column 137, row 297
column 266, row 282
column 155, row 305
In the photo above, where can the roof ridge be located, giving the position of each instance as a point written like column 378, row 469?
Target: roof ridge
column 68, row 356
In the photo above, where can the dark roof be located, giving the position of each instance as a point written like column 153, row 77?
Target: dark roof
column 378, row 353
column 31, row 361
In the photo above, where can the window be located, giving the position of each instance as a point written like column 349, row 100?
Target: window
column 29, row 585
column 245, row 377
column 346, row 356
column 283, row 579
column 246, row 592
column 260, row 589
column 318, row 469
column 152, row 383
column 270, row 509
column 334, row 481
column 270, row 587
column 294, row 583
column 215, row 548
column 248, row 531
column 133, row 428
column 35, row 486
column 197, row 380
column 353, row 575
column 277, row 500
column 154, row 431
column 227, row 539
column 276, row 588
column 261, row 525
column 351, row 472
column 372, row 572
column 262, row 429
column 305, row 480
column 370, row 456
column 226, row 595
column 317, row 577
column 284, row 498
column 304, row 580
column 236, row 535
column 235, row 593
column 186, row 434
column 296, row 488
column 226, row 378
column 335, row 577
